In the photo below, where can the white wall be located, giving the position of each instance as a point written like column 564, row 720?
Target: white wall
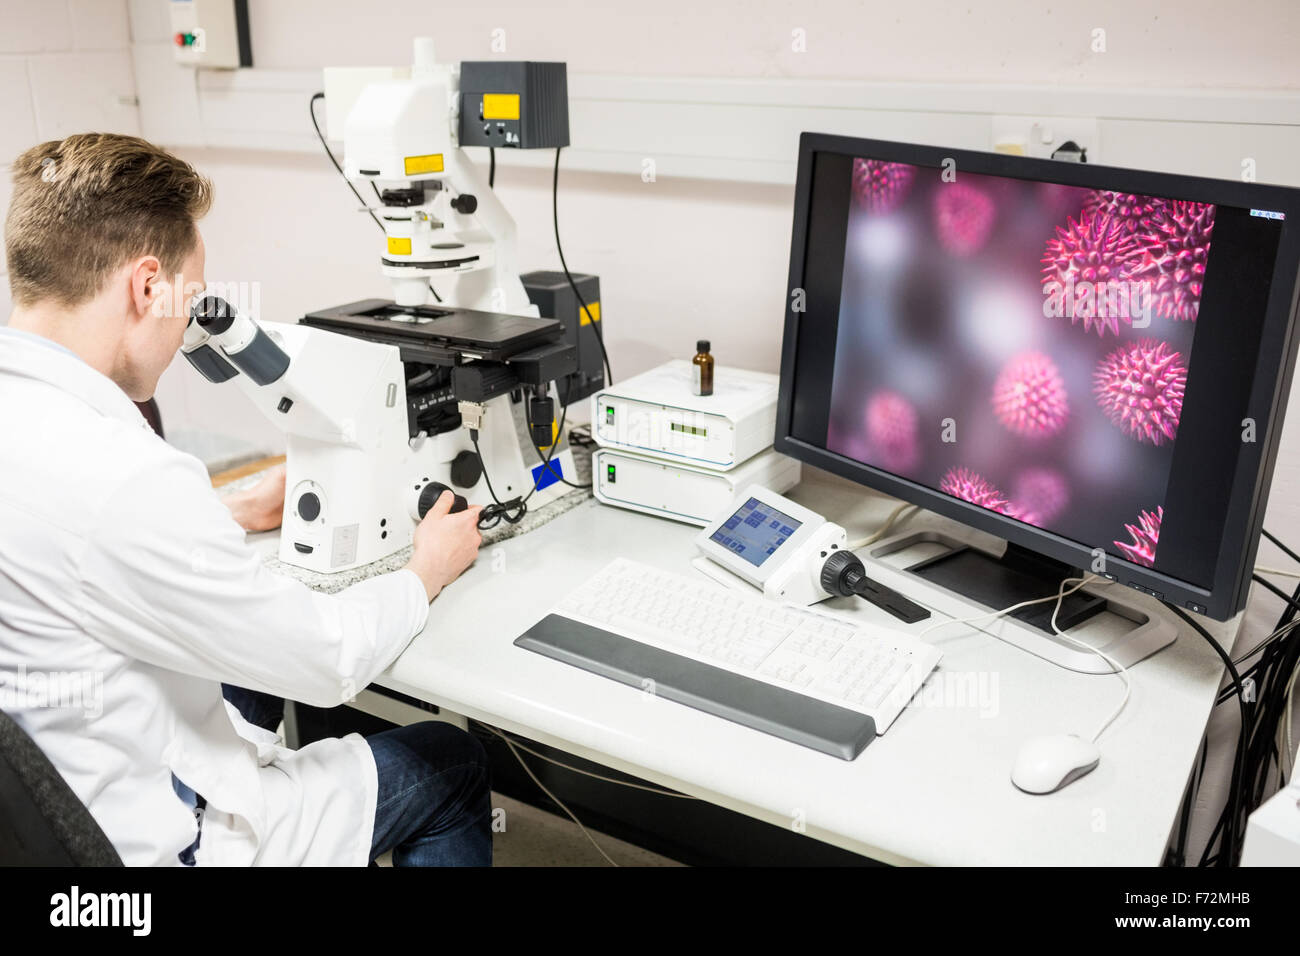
column 65, row 66
column 1165, row 43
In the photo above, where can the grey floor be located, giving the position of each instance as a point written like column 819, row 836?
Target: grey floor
column 535, row 837
column 527, row 836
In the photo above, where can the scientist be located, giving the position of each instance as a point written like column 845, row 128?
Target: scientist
column 118, row 559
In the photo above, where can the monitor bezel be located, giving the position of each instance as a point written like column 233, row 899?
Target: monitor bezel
column 1227, row 593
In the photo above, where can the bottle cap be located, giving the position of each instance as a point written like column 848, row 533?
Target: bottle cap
column 702, row 345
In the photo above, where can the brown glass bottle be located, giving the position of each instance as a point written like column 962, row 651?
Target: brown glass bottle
column 702, row 373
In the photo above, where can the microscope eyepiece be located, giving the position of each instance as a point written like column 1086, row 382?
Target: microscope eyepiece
column 213, row 314
column 241, row 340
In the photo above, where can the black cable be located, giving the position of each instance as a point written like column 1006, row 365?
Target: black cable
column 1273, row 638
column 1269, row 585
column 546, row 462
column 311, row 107
column 1289, row 553
column 582, row 305
column 512, row 511
column 558, row 475
column 560, row 431
column 1228, row 819
column 378, row 195
column 1184, row 823
column 492, row 167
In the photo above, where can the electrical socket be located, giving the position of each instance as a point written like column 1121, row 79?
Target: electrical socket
column 1040, row 136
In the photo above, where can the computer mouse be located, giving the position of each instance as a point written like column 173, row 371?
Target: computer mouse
column 1046, row 764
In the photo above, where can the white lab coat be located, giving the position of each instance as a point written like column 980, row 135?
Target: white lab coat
column 117, row 559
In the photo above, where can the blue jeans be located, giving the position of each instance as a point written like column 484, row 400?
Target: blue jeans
column 434, row 806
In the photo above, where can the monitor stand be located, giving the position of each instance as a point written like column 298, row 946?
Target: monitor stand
column 1021, row 575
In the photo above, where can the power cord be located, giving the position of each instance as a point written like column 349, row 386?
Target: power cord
column 1228, row 823
column 587, row 773
column 582, row 305
column 513, row 511
column 515, row 746
column 571, row 484
column 546, row 462
column 325, row 146
column 558, row 802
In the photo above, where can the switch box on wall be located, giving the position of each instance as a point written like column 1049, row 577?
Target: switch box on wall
column 211, row 33
column 1041, row 136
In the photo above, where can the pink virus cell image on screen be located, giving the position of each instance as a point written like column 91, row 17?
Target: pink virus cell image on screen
column 1040, row 495
column 963, row 217
column 971, row 486
column 1140, row 387
column 1144, row 536
column 892, row 429
column 1059, row 199
column 1029, row 396
column 1176, row 246
column 881, row 187
column 1132, row 212
column 1088, row 265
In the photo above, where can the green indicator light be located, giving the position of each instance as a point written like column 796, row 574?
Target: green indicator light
column 609, row 473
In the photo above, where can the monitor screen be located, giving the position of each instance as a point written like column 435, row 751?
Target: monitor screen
column 1077, row 358
column 755, row 531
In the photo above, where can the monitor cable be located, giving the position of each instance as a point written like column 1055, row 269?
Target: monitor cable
column 896, row 516
column 1061, row 594
column 1227, row 826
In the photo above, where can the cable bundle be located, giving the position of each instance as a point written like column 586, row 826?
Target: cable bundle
column 1265, row 693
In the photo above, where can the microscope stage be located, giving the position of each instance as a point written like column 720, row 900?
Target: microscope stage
column 437, row 335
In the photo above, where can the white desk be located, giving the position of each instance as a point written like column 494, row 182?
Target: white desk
column 935, row 789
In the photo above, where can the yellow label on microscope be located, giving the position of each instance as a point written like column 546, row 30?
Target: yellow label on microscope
column 501, row 106
column 417, row 165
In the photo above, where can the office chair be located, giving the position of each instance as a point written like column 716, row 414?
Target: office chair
column 42, row 823
column 153, row 415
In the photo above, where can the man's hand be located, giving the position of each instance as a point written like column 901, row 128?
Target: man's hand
column 445, row 544
column 260, row 507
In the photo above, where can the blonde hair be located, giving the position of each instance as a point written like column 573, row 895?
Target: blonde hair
column 85, row 205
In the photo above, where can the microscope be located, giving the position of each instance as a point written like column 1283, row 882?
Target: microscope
column 387, row 403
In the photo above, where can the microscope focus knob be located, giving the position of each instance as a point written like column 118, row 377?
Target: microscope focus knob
column 309, row 507
column 466, row 470
column 432, row 492
column 841, row 571
column 465, row 204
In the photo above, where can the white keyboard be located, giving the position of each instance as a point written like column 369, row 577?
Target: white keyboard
column 871, row 670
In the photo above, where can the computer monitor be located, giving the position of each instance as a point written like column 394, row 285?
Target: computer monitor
column 1091, row 363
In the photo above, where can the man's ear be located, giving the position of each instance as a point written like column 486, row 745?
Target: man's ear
column 149, row 286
